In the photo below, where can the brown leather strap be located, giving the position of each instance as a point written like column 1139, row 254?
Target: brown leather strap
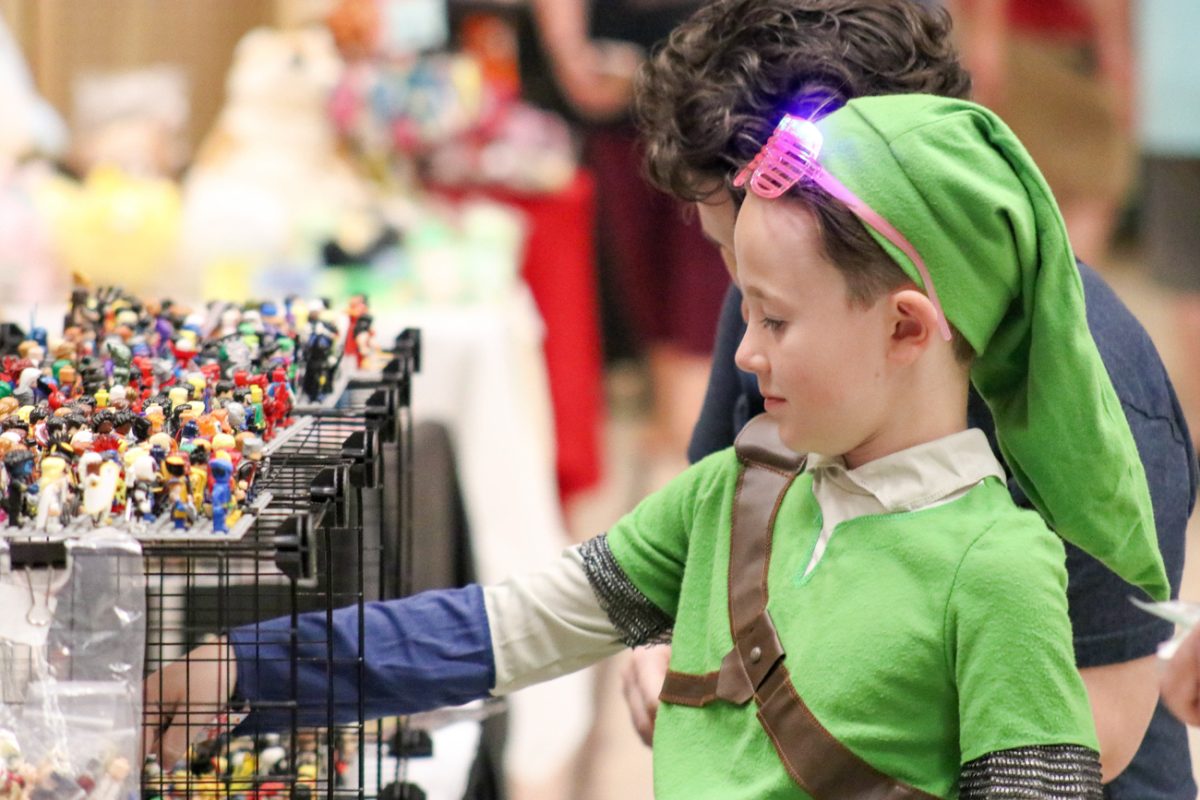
column 812, row 756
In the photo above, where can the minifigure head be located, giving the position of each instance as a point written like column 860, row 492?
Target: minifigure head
column 221, row 467
column 19, row 463
column 102, row 422
column 53, row 469
column 178, row 395
column 162, row 440
column 235, row 415
column 31, row 351
column 153, row 414
column 28, row 378
column 224, row 442
column 175, row 466
column 190, row 429
column 252, row 448
column 200, row 452
column 81, row 441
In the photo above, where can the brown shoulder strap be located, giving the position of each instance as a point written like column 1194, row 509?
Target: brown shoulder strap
column 824, row 767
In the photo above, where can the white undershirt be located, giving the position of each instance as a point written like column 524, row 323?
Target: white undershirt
column 548, row 623
column 923, row 476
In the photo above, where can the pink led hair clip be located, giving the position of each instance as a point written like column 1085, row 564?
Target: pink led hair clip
column 790, row 156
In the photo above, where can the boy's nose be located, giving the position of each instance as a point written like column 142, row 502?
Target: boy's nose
column 747, row 357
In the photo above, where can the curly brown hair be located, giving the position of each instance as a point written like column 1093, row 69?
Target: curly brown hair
column 708, row 99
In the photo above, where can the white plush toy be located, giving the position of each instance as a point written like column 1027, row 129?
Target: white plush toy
column 270, row 185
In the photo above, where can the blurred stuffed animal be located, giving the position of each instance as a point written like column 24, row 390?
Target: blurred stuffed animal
column 270, row 186
column 29, row 128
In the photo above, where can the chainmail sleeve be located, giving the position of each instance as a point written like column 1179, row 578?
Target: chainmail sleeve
column 1046, row 772
column 638, row 620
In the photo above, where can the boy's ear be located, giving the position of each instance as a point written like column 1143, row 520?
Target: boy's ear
column 912, row 324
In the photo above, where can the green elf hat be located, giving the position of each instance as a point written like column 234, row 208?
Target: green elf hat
column 957, row 184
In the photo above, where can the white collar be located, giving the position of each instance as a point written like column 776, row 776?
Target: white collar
column 919, row 476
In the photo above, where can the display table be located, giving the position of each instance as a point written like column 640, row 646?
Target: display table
column 483, row 377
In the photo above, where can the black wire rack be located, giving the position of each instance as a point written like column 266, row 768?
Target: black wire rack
column 328, row 526
column 331, row 530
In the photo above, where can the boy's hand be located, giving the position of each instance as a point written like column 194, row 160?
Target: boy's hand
column 642, row 680
column 183, row 699
column 1181, row 680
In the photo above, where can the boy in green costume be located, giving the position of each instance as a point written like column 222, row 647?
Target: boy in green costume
column 911, row 636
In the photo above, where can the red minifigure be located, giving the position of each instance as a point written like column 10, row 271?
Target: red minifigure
column 185, row 351
column 358, row 330
column 280, row 401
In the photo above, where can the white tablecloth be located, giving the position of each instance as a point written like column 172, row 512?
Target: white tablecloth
column 484, row 377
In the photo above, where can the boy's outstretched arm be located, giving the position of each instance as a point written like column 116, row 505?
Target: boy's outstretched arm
column 185, row 697
column 438, row 648
column 419, row 653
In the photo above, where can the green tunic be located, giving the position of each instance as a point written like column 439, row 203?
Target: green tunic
column 922, row 640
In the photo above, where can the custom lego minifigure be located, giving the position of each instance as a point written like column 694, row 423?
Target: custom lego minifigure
column 100, row 480
column 198, row 474
column 141, row 476
column 282, row 400
column 221, row 492
column 359, row 336
column 176, row 493
column 54, row 495
column 18, row 502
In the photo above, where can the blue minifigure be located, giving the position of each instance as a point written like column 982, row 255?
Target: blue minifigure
column 222, row 496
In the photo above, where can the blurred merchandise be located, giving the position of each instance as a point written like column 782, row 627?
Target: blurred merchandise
column 114, row 227
column 453, row 255
column 529, row 150
column 133, row 119
column 30, row 129
column 29, row 274
column 453, row 119
column 388, row 29
column 270, row 185
column 392, row 112
column 28, row 124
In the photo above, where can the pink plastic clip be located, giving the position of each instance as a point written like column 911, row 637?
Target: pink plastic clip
column 789, row 156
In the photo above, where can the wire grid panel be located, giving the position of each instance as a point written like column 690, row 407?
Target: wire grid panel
column 316, row 545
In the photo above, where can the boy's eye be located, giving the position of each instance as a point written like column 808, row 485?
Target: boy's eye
column 771, row 324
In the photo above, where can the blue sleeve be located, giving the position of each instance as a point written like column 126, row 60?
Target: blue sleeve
column 422, row 652
column 732, row 398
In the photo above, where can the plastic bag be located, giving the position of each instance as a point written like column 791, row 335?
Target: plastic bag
column 72, row 643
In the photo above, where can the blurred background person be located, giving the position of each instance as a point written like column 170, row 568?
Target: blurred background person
column 667, row 282
column 1061, row 73
column 1169, row 128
